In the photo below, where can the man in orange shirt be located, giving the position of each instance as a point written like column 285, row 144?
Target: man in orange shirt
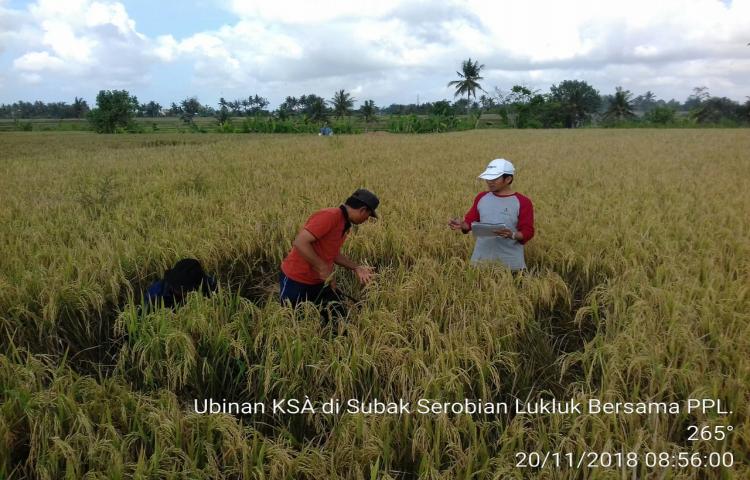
column 317, row 247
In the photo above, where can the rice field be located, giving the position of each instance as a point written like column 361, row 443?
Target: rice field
column 637, row 292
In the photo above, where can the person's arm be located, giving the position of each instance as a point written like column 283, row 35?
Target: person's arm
column 525, row 220
column 473, row 214
column 364, row 274
column 525, row 227
column 344, row 261
column 303, row 242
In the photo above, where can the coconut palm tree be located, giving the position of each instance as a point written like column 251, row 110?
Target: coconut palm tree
column 368, row 111
column 620, row 107
column 468, row 82
column 316, row 108
column 342, row 103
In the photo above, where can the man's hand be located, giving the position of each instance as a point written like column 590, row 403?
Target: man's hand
column 364, row 274
column 504, row 232
column 457, row 224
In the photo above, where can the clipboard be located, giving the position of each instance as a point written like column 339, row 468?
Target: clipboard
column 479, row 229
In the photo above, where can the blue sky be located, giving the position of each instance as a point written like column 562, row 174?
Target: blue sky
column 179, row 17
column 389, row 51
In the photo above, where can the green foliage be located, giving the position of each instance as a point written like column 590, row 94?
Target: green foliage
column 577, row 99
column 43, row 110
column 442, row 108
column 23, row 126
column 345, row 126
column 226, row 127
column 717, row 110
column 114, row 111
column 524, row 108
column 222, row 115
column 315, row 109
column 545, row 113
column 135, row 127
column 310, row 106
column 275, row 125
column 620, row 107
column 699, row 95
column 442, row 119
column 660, row 116
column 151, row 109
column 367, row 110
column 290, row 106
column 195, row 128
column 291, row 125
column 252, row 105
column 429, row 124
column 189, row 108
column 80, row 108
column 645, row 102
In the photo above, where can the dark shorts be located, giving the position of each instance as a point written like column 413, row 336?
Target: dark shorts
column 320, row 294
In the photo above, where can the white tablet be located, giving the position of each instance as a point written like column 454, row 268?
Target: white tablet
column 479, row 229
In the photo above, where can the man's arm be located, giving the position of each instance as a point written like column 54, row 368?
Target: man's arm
column 471, row 216
column 303, row 242
column 510, row 234
column 344, row 261
column 525, row 220
column 364, row 274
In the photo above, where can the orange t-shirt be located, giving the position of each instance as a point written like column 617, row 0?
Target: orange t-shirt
column 327, row 226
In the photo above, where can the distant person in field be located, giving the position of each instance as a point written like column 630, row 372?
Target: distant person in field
column 500, row 205
column 326, row 131
column 307, row 272
column 186, row 276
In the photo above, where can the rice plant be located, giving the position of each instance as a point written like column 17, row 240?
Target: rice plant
column 637, row 291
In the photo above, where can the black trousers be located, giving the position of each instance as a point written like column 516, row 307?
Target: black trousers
column 330, row 302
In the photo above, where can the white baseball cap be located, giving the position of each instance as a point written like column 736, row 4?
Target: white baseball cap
column 496, row 168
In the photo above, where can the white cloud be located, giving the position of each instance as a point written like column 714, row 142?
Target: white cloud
column 166, row 48
column 307, row 12
column 393, row 50
column 94, row 42
column 39, row 62
column 110, row 14
column 62, row 39
column 535, row 40
column 32, row 78
column 11, row 23
column 234, row 54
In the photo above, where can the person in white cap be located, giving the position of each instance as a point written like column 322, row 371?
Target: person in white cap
column 500, row 205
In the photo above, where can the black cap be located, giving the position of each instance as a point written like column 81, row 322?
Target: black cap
column 369, row 199
column 187, row 274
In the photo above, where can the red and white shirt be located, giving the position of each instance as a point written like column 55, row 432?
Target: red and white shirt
column 515, row 211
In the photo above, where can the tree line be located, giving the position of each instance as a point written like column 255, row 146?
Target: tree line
column 568, row 104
